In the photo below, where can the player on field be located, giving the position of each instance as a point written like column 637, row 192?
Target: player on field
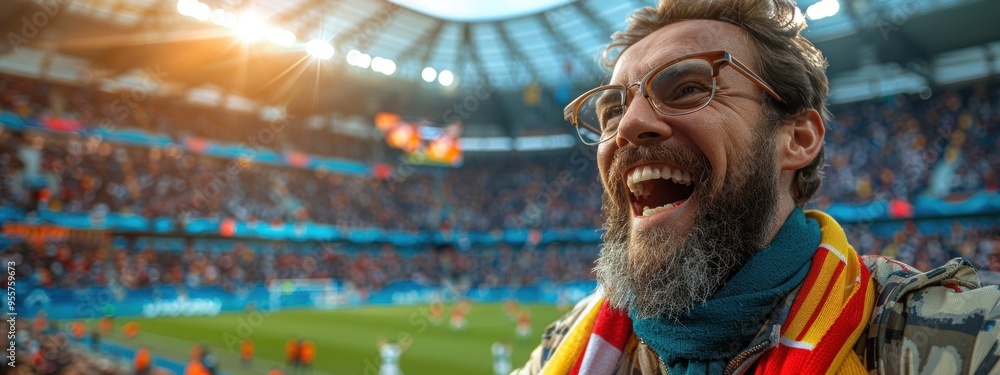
column 501, row 358
column 389, row 353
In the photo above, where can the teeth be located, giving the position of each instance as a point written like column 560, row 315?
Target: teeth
column 645, row 173
column 646, row 211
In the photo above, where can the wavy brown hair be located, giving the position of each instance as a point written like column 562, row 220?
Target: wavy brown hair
column 783, row 57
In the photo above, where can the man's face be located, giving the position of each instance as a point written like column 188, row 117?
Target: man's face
column 711, row 216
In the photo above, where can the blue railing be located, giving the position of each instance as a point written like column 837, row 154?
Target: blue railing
column 138, row 137
column 169, row 301
column 983, row 203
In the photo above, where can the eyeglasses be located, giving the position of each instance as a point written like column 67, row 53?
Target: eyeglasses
column 679, row 87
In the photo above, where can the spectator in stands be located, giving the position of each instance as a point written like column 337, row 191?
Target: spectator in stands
column 154, row 183
column 708, row 256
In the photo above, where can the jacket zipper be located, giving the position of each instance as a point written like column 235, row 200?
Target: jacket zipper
column 663, row 366
column 741, row 359
column 733, row 365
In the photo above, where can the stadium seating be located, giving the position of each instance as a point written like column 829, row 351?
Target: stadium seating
column 898, row 147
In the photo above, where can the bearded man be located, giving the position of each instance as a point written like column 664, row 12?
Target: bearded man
column 710, row 143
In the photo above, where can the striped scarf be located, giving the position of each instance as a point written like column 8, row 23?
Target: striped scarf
column 827, row 317
column 829, row 314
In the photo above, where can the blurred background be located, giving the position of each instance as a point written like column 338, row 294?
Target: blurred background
column 339, row 186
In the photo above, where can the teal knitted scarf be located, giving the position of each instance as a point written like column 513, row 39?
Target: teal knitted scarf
column 704, row 340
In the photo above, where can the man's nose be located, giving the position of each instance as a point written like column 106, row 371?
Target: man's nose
column 642, row 124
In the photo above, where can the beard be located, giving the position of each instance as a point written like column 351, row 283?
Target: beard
column 662, row 273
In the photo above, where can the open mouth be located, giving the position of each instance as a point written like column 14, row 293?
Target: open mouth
column 657, row 188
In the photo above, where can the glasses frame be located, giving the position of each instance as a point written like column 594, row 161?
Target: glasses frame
column 717, row 59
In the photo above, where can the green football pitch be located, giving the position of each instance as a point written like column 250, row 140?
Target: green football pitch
column 345, row 339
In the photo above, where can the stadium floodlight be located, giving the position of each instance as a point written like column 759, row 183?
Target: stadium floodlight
column 823, row 9
column 388, row 67
column 352, row 57
column 358, row 59
column 446, row 78
column 377, row 63
column 201, row 11
column 319, row 49
column 223, row 18
column 428, row 74
column 383, row 65
column 186, row 7
column 251, row 27
column 281, row 37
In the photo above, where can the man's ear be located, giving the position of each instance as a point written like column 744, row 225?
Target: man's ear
column 801, row 140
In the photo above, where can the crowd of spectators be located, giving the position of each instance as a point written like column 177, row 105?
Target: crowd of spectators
column 896, row 147
column 369, row 268
column 236, row 264
column 169, row 183
column 154, row 182
column 145, row 108
column 905, row 146
column 978, row 242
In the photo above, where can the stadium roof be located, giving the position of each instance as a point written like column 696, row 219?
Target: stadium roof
column 479, row 10
column 551, row 48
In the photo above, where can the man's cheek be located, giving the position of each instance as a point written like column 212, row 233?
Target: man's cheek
column 714, row 184
column 605, row 157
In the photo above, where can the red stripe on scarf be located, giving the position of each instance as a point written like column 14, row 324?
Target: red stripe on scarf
column 808, row 284
column 834, row 339
column 579, row 361
column 822, row 301
column 613, row 325
column 788, row 360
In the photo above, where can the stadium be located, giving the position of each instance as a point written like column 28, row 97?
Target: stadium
column 344, row 186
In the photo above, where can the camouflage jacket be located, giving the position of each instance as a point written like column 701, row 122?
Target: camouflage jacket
column 938, row 322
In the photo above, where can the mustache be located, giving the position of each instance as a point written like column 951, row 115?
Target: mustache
column 627, row 156
column 615, row 200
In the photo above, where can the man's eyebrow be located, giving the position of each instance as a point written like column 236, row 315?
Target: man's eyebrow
column 634, row 75
column 629, row 78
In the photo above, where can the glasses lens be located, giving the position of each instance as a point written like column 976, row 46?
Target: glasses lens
column 599, row 114
column 683, row 87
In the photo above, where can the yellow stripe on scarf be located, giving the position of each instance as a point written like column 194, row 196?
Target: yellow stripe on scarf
column 852, row 365
column 839, row 252
column 850, row 362
column 572, row 345
column 829, row 314
column 834, row 239
column 813, row 300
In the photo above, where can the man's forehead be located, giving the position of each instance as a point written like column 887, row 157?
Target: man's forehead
column 676, row 40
